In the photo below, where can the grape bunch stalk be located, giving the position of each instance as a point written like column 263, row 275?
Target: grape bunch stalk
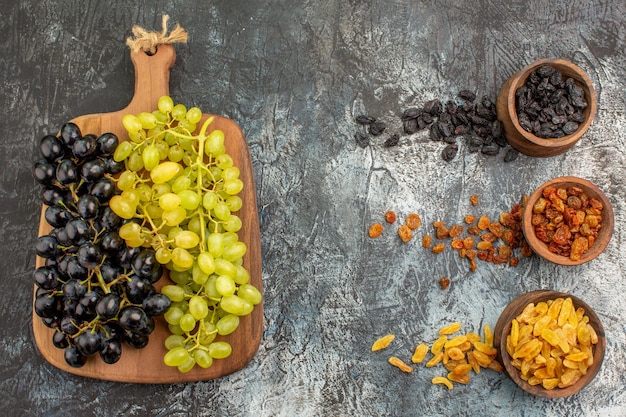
column 179, row 195
column 95, row 291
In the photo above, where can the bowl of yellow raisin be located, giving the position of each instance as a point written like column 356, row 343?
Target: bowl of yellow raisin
column 550, row 343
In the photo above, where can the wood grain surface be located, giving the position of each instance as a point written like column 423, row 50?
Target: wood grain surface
column 146, row 365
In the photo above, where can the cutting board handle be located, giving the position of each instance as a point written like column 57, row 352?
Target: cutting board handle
column 152, row 78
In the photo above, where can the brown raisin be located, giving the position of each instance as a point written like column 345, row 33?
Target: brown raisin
column 405, row 233
column 444, row 282
column 474, row 200
column 413, row 221
column 438, row 248
column 375, row 230
column 455, row 230
column 390, row 217
column 426, row 241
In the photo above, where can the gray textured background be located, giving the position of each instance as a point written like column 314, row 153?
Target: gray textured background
column 293, row 75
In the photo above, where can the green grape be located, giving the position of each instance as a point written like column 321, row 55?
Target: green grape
column 130, row 231
column 153, row 210
column 173, row 292
column 222, row 211
column 182, row 258
column 179, row 112
column 250, row 293
column 236, row 305
column 121, row 207
column 163, row 256
column 126, row 180
column 169, row 201
column 131, row 196
column 198, row 276
column 150, row 157
column 173, row 315
column 164, row 172
column 164, row 149
column 220, row 350
column 194, row 115
column 206, row 263
column 135, row 243
column 215, row 244
column 147, row 120
column 165, row 104
column 209, row 287
column 161, row 117
column 234, row 203
column 175, row 329
column 179, row 277
column 230, row 237
column 173, row 341
column 233, row 224
column 223, row 161
column 181, row 183
column 234, row 251
column 176, row 356
column 187, row 240
column 131, row 123
column 233, row 186
column 187, row 126
column 198, row 307
column 187, row 366
column 144, row 190
column 224, row 267
column 175, row 153
column 203, row 359
column 134, row 162
column 122, row 151
column 159, row 189
column 137, row 137
column 242, row 276
column 174, row 217
column 209, row 200
column 230, row 173
column 190, row 200
column 225, row 285
column 227, row 324
column 214, row 142
column 187, row 322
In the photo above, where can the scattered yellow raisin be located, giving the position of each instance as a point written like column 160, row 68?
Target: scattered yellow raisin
column 426, row 241
column 383, row 342
column 438, row 248
column 444, row 282
column 405, row 233
column 413, row 221
column 455, row 230
column 483, row 222
column 470, row 218
column 442, row 380
column 420, row 353
column 398, row 363
column 450, row 328
column 474, row 200
column 375, row 230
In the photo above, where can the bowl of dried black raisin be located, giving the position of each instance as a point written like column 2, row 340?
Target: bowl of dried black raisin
column 546, row 107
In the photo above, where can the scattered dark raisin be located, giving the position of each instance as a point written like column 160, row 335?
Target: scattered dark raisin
column 467, row 95
column 435, row 133
column 511, row 155
column 433, row 107
column 410, row 126
column 361, row 139
column 491, row 149
column 449, row 152
column 392, row 140
column 377, row 128
column 365, row 120
column 412, row 113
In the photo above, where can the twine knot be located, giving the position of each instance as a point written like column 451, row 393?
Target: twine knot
column 148, row 41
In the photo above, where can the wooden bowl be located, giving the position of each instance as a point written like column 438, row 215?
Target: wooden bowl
column 604, row 234
column 503, row 329
column 527, row 142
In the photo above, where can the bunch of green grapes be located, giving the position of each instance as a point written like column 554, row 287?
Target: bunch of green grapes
column 179, row 193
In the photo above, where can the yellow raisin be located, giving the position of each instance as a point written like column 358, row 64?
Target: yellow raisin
column 405, row 233
column 435, row 360
column 488, row 335
column 426, row 241
column 442, row 380
column 375, row 230
column 461, row 379
column 398, row 363
column 438, row 345
column 438, row 248
column 420, row 353
column 474, row 200
column 470, row 218
column 483, row 222
column 455, row 341
column 382, row 342
column 413, row 221
column 455, row 353
column 450, row 328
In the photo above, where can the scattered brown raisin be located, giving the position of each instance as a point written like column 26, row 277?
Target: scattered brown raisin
column 390, row 217
column 405, row 233
column 413, row 221
column 444, row 282
column 474, row 200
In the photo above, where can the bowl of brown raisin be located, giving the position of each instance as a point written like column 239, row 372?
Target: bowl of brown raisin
column 546, row 107
column 550, row 343
column 568, row 221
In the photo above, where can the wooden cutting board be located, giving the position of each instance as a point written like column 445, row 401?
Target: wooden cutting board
column 146, row 365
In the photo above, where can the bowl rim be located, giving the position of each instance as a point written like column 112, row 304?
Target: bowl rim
column 541, row 249
column 503, row 328
column 581, row 79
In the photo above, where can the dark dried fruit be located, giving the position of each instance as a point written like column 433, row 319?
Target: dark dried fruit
column 377, row 128
column 433, row 107
column 361, row 139
column 392, row 140
column 449, row 152
column 467, row 95
column 511, row 155
column 365, row 120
